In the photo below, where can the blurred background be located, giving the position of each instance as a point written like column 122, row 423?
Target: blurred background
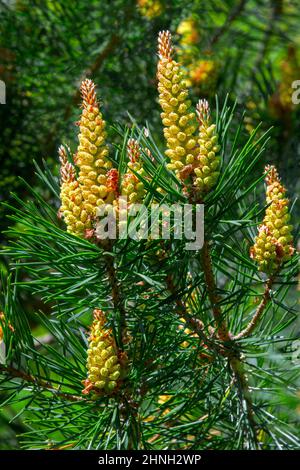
column 248, row 49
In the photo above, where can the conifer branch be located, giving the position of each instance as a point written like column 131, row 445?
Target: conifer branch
column 224, row 334
column 116, row 298
column 128, row 408
column 241, row 378
column 40, row 383
column 196, row 325
column 221, row 327
column 259, row 312
column 181, row 309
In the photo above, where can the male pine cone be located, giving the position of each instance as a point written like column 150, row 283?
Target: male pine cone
column 132, row 187
column 273, row 244
column 92, row 156
column 208, row 162
column 71, row 197
column 179, row 122
column 81, row 196
column 104, row 363
column 195, row 163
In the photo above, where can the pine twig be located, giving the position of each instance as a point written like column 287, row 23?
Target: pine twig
column 40, row 383
column 259, row 312
column 195, row 324
column 127, row 408
column 221, row 327
column 116, row 297
column 224, row 334
column 240, row 374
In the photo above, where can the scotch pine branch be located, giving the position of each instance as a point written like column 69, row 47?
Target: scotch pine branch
column 196, row 325
column 11, row 371
column 259, row 312
column 221, row 327
column 224, row 334
column 130, row 418
column 166, row 396
column 116, row 298
column 242, row 381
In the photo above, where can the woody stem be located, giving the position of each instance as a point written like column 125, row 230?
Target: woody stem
column 194, row 324
column 11, row 371
column 116, row 297
column 224, row 334
column 221, row 326
column 259, row 312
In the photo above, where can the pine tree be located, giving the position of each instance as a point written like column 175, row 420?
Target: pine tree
column 150, row 345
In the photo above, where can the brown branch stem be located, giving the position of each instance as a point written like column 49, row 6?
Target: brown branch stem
column 259, row 312
column 224, row 334
column 117, row 299
column 38, row 382
column 195, row 324
column 116, row 295
column 241, row 378
column 221, row 326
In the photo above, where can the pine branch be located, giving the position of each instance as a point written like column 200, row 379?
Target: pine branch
column 11, row 371
column 221, row 327
column 116, row 294
column 242, row 380
column 130, row 418
column 196, row 325
column 224, row 334
column 259, row 312
column 128, row 408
